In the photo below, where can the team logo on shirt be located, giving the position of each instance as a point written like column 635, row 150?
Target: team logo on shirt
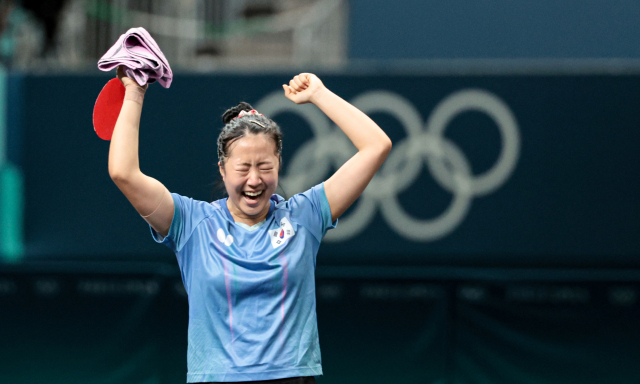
column 224, row 238
column 280, row 235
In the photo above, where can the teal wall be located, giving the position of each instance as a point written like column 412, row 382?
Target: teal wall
column 11, row 180
column 522, row 170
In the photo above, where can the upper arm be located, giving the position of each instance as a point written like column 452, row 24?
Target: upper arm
column 150, row 198
column 311, row 210
column 351, row 179
column 348, row 183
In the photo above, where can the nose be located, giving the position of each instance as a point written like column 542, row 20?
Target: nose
column 254, row 178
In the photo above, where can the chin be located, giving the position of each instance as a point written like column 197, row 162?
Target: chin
column 252, row 209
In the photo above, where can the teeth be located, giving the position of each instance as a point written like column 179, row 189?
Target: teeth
column 253, row 194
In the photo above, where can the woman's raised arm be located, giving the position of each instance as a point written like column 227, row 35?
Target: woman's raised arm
column 148, row 196
column 348, row 183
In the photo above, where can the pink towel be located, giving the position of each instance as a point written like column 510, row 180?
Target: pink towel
column 140, row 55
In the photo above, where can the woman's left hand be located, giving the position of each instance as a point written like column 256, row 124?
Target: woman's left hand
column 303, row 88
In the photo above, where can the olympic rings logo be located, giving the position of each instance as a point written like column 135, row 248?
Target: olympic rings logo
column 428, row 146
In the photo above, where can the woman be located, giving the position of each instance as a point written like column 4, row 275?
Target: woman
column 248, row 261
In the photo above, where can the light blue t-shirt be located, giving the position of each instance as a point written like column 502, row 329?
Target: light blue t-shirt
column 252, row 305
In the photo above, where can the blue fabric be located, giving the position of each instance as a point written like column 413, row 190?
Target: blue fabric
column 252, row 308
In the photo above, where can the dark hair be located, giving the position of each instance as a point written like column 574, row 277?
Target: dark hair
column 237, row 127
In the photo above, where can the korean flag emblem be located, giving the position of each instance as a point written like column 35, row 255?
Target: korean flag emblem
column 280, row 235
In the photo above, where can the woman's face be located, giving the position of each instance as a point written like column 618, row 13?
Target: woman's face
column 250, row 175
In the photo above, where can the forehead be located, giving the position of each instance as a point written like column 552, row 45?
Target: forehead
column 252, row 146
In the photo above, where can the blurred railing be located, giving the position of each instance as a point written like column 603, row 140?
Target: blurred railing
column 205, row 34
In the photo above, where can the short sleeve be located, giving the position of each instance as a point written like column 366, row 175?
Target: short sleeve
column 311, row 210
column 187, row 214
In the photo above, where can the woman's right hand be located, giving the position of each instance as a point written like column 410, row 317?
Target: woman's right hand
column 148, row 196
column 127, row 81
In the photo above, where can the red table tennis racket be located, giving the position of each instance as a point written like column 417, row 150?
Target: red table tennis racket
column 107, row 108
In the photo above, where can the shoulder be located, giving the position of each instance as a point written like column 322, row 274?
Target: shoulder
column 193, row 207
column 280, row 202
column 215, row 205
column 304, row 204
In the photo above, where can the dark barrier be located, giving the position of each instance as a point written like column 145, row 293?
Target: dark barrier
column 113, row 323
column 485, row 170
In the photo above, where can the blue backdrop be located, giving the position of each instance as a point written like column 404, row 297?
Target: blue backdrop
column 485, row 170
column 423, row 29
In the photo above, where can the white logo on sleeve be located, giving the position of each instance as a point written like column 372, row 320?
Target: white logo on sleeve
column 280, row 235
column 226, row 240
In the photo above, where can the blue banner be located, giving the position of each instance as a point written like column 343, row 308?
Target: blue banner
column 485, row 170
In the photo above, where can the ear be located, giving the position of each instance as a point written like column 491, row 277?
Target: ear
column 221, row 169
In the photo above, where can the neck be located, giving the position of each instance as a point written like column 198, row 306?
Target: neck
column 240, row 217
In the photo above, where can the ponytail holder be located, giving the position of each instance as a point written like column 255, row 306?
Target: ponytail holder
column 247, row 113
column 244, row 113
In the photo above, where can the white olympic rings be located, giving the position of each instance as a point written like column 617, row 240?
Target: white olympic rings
column 329, row 148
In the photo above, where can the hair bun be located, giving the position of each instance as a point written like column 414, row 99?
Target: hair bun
column 233, row 112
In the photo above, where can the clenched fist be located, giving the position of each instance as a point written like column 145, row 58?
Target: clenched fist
column 303, row 88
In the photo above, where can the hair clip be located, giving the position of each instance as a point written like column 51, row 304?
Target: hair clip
column 247, row 113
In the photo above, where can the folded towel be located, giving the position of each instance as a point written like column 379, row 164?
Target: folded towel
column 140, row 55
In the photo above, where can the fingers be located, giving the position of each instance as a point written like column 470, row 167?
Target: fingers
column 120, row 75
column 299, row 83
column 295, row 90
column 305, row 77
column 290, row 93
column 287, row 90
column 296, row 85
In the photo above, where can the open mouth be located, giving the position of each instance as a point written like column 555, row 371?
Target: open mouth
column 252, row 196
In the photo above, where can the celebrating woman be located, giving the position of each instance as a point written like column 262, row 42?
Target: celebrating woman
column 247, row 261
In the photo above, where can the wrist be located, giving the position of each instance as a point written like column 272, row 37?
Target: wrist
column 319, row 95
column 135, row 93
